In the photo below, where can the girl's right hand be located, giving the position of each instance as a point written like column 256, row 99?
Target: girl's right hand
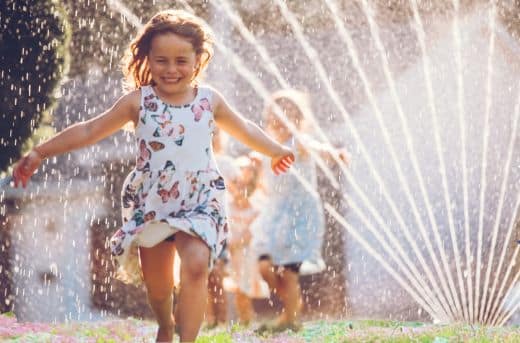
column 282, row 162
column 25, row 167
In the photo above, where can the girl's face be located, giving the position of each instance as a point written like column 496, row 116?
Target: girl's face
column 172, row 62
column 276, row 127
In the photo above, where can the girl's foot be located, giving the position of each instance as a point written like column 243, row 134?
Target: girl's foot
column 165, row 334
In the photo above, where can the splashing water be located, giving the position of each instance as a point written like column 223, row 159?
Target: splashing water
column 433, row 183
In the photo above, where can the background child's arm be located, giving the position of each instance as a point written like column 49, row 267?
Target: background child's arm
column 251, row 135
column 327, row 151
column 79, row 135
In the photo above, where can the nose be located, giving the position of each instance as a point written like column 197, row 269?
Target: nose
column 171, row 68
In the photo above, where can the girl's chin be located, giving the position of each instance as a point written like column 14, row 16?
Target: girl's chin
column 173, row 87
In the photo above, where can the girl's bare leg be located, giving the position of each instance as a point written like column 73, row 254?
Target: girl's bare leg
column 286, row 286
column 290, row 294
column 219, row 297
column 211, row 317
column 157, row 267
column 268, row 273
column 244, row 308
column 194, row 255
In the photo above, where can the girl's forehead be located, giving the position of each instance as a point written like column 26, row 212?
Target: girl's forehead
column 170, row 44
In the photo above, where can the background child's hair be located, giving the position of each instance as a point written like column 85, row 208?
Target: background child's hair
column 135, row 63
column 300, row 101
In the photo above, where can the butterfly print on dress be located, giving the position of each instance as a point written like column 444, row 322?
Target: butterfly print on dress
column 198, row 109
column 144, row 157
column 149, row 103
column 166, row 195
column 156, row 146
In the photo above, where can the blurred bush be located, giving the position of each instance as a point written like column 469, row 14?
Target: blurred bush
column 34, row 38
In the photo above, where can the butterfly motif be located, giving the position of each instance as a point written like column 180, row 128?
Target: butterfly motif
column 143, row 117
column 149, row 104
column 166, row 173
column 162, row 131
column 166, row 195
column 218, row 183
column 198, row 109
column 203, row 192
column 169, row 166
column 162, row 119
column 144, row 156
column 116, row 243
column 138, row 218
column 183, row 210
column 180, row 136
column 149, row 216
column 156, row 146
column 129, row 197
column 170, row 131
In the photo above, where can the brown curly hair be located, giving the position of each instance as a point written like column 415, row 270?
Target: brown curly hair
column 135, row 63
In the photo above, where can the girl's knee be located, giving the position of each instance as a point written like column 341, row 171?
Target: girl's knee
column 194, row 254
column 196, row 266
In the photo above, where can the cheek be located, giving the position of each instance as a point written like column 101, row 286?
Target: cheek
column 155, row 67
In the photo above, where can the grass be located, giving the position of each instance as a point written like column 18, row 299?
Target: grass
column 132, row 330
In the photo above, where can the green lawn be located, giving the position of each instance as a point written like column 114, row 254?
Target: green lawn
column 132, row 330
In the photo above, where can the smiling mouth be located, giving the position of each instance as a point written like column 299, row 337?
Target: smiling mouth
column 171, row 80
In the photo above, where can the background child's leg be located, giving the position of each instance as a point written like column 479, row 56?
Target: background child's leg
column 211, row 316
column 157, row 267
column 267, row 270
column 220, row 301
column 244, row 308
column 290, row 294
column 285, row 284
column 194, row 255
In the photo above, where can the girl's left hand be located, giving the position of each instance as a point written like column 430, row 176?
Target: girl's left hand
column 282, row 162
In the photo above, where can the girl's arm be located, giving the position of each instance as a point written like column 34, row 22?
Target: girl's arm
column 251, row 135
column 78, row 135
column 327, row 151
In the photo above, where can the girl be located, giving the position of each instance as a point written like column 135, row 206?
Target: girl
column 289, row 230
column 247, row 281
column 174, row 198
column 216, row 310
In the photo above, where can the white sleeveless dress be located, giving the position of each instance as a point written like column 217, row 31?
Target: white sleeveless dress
column 175, row 185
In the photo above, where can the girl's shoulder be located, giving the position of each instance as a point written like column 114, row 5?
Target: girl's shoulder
column 131, row 99
column 211, row 92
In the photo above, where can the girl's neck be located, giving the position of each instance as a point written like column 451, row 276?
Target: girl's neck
column 180, row 97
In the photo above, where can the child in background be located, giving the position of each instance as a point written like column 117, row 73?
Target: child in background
column 248, row 283
column 288, row 233
column 216, row 310
column 174, row 197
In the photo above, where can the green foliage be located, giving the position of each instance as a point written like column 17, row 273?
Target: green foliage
column 34, row 37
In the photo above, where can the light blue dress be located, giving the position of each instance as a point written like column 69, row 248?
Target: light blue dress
column 291, row 224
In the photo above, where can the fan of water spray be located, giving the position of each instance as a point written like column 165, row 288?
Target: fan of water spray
column 433, row 183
